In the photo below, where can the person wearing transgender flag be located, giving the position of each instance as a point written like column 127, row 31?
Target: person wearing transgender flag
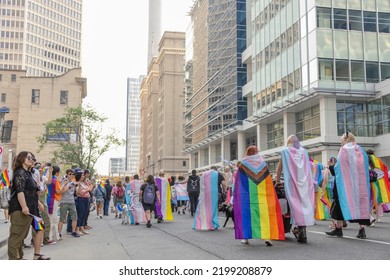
column 351, row 193
column 257, row 212
column 299, row 186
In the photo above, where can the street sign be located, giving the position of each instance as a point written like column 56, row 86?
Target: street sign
column 4, row 110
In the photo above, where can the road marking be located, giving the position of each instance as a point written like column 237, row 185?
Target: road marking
column 354, row 238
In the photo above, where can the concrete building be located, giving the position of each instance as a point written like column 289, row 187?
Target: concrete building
column 317, row 69
column 33, row 101
column 162, row 110
column 116, row 166
column 133, row 125
column 215, row 106
column 42, row 37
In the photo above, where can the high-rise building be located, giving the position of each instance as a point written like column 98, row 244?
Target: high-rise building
column 133, row 123
column 317, row 69
column 162, row 110
column 116, row 166
column 42, row 37
column 216, row 107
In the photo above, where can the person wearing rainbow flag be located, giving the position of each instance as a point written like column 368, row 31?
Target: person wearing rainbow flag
column 298, row 182
column 257, row 212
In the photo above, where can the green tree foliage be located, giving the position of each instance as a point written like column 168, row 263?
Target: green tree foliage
column 91, row 142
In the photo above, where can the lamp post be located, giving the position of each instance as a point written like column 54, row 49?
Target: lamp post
column 222, row 142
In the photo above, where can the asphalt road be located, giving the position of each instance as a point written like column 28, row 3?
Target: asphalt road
column 110, row 240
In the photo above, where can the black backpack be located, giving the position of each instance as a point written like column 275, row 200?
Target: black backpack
column 193, row 184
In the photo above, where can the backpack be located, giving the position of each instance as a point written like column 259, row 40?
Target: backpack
column 149, row 194
column 193, row 184
column 120, row 192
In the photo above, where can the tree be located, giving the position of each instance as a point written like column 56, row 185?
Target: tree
column 79, row 138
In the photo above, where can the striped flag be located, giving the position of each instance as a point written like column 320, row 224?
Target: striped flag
column 5, row 178
column 382, row 185
column 257, row 212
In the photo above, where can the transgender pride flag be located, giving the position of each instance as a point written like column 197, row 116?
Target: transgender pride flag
column 206, row 214
column 164, row 209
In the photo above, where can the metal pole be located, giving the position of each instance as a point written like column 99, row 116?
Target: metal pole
column 222, row 143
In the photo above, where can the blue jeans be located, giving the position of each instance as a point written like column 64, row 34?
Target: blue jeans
column 106, row 206
column 81, row 207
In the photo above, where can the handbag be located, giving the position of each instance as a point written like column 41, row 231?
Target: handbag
column 5, row 197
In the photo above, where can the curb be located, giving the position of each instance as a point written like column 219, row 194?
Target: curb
column 3, row 242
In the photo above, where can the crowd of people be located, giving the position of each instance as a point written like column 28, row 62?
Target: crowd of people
column 349, row 188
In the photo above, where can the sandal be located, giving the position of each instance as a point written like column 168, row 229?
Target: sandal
column 41, row 257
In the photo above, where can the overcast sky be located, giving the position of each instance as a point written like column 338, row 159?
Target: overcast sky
column 114, row 48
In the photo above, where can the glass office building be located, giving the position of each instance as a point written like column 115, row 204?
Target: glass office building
column 318, row 69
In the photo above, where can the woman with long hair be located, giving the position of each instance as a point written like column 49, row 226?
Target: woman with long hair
column 24, row 208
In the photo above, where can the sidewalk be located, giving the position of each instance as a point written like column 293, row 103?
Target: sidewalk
column 4, row 229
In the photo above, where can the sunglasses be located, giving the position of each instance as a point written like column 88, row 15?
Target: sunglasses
column 31, row 158
column 71, row 174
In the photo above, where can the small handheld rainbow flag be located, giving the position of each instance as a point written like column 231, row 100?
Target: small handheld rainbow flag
column 5, row 178
column 38, row 223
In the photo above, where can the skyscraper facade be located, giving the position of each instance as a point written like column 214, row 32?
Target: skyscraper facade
column 217, row 107
column 318, row 69
column 42, row 37
column 133, row 125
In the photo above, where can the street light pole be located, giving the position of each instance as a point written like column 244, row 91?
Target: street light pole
column 222, row 143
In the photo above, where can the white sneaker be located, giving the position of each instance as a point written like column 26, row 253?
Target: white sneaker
column 245, row 241
column 378, row 221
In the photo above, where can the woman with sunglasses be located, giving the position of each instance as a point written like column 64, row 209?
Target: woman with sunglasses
column 24, row 203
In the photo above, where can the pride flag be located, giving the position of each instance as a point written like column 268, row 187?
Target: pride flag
column 181, row 192
column 206, row 213
column 164, row 209
column 132, row 200
column 353, row 182
column 37, row 223
column 322, row 207
column 316, row 170
column 101, row 184
column 382, row 185
column 5, row 178
column 257, row 212
column 298, row 183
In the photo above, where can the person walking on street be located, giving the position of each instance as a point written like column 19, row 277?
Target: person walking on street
column 148, row 196
column 298, row 182
column 107, row 201
column 193, row 187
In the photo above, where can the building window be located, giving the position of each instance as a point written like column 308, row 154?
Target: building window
column 357, row 71
column 325, row 69
column 369, row 21
column 352, row 117
column 3, row 97
column 13, row 77
column 339, row 19
column 324, row 17
column 384, row 22
column 342, row 70
column 355, row 20
column 1, row 77
column 385, row 71
column 7, row 131
column 372, row 72
column 35, row 96
column 184, row 163
column 308, row 123
column 275, row 136
column 64, row 97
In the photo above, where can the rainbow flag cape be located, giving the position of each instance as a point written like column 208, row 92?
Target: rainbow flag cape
column 45, row 170
column 132, row 200
column 382, row 186
column 101, row 185
column 164, row 209
column 181, row 192
column 322, row 207
column 298, row 183
column 5, row 178
column 257, row 212
column 353, row 182
column 51, row 191
column 38, row 223
column 206, row 213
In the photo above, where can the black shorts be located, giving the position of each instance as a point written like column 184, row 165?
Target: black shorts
column 148, row 206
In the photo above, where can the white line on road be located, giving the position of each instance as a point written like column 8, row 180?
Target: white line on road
column 355, row 238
